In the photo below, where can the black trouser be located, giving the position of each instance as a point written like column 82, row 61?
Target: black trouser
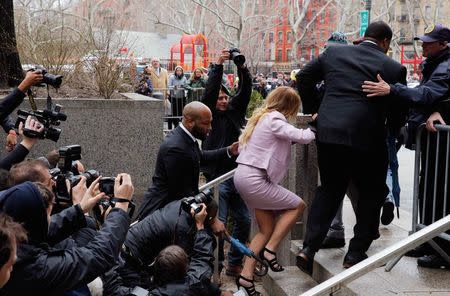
column 338, row 164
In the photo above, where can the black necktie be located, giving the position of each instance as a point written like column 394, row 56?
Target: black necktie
column 197, row 150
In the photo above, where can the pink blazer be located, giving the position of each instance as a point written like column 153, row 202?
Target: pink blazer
column 269, row 147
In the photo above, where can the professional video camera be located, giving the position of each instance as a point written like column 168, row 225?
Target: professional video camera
column 236, row 56
column 48, row 118
column 48, row 79
column 193, row 202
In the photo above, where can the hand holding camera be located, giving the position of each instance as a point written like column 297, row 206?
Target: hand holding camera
column 31, row 126
column 123, row 189
column 31, row 78
column 233, row 54
column 78, row 191
column 200, row 216
column 90, row 198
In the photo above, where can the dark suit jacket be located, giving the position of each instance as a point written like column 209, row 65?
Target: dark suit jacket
column 346, row 115
column 177, row 171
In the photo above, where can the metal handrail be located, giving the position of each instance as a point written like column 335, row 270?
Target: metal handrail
column 215, row 184
column 333, row 284
column 217, row 180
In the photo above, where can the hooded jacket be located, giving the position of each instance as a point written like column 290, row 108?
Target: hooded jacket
column 43, row 270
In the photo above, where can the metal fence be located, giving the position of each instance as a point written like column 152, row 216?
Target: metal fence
column 174, row 101
column 431, row 192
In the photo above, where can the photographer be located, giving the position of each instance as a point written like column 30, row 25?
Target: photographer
column 228, row 120
column 21, row 151
column 12, row 101
column 166, row 226
column 11, row 233
column 51, row 271
column 175, row 275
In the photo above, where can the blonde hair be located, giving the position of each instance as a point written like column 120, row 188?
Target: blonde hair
column 192, row 78
column 283, row 99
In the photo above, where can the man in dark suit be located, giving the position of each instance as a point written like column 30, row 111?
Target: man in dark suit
column 179, row 158
column 351, row 138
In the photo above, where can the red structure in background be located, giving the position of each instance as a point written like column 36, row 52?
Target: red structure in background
column 190, row 45
column 415, row 61
column 314, row 40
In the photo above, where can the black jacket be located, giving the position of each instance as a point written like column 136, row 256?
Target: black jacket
column 169, row 225
column 197, row 281
column 226, row 125
column 177, row 171
column 7, row 106
column 346, row 116
column 43, row 270
column 433, row 89
column 17, row 155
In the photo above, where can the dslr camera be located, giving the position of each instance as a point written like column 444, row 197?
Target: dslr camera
column 236, row 56
column 67, row 170
column 48, row 79
column 48, row 118
column 193, row 202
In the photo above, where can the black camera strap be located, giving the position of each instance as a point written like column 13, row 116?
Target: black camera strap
column 49, row 99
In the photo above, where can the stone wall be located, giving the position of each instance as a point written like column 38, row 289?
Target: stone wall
column 115, row 135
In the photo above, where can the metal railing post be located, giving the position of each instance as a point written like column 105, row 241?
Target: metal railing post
column 215, row 184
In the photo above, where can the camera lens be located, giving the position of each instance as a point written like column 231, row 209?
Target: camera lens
column 238, row 59
column 52, row 133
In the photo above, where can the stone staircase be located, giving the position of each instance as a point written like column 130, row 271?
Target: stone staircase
column 406, row 278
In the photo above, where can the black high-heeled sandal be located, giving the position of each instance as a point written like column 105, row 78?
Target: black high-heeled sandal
column 251, row 291
column 273, row 264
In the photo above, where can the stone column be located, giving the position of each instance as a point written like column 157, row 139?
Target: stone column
column 302, row 179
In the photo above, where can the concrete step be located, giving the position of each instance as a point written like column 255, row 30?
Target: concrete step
column 290, row 282
column 406, row 278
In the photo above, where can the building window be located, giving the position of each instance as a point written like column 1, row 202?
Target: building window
column 288, row 54
column 280, row 36
column 280, row 55
column 270, row 37
column 289, row 36
column 322, row 18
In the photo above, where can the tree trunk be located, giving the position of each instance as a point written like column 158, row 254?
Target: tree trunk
column 10, row 67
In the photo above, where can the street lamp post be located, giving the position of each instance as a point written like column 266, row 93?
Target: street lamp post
column 368, row 8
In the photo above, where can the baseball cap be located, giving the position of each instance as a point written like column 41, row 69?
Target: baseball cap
column 437, row 33
column 337, row 38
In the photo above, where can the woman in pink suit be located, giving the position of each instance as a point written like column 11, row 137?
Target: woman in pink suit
column 262, row 163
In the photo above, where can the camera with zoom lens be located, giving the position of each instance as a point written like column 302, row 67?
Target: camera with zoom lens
column 236, row 56
column 48, row 118
column 48, row 79
column 193, row 202
column 67, row 170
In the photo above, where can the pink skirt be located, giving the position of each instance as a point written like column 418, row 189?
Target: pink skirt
column 258, row 192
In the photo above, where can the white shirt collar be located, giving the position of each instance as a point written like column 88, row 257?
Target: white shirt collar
column 370, row 41
column 187, row 132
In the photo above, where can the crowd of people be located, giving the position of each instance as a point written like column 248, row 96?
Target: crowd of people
column 359, row 103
